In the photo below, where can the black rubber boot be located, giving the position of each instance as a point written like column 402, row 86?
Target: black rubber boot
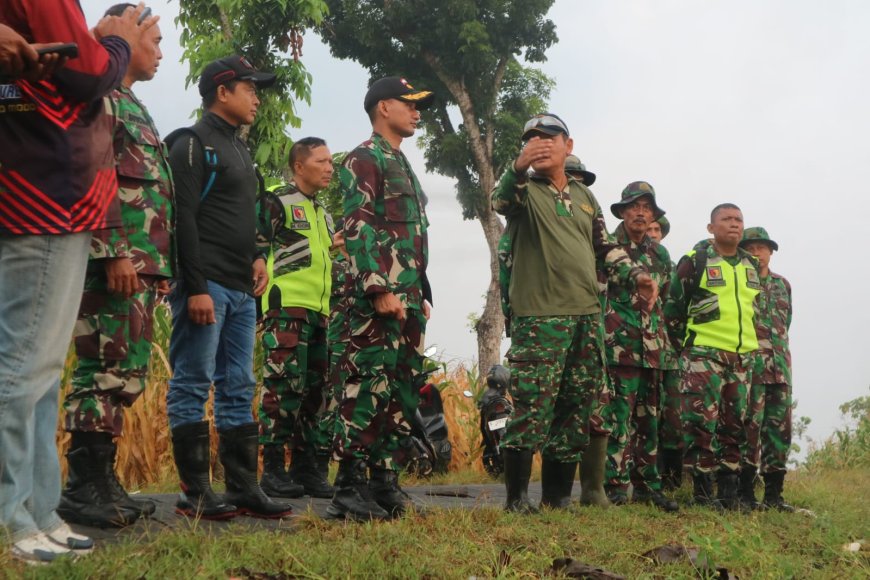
column 191, row 448
column 746, row 490
column 304, row 472
column 352, row 499
column 89, row 497
column 557, row 480
column 643, row 494
column 616, row 496
column 773, row 483
column 322, row 460
column 727, row 482
column 592, row 473
column 703, row 490
column 385, row 490
column 517, row 472
column 672, row 469
column 239, row 449
column 276, row 481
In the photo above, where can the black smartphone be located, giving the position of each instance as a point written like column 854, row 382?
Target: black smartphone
column 145, row 14
column 69, row 50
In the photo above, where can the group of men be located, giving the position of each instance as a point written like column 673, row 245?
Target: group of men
column 630, row 365
column 98, row 216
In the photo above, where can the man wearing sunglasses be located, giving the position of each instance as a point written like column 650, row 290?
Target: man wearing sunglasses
column 557, row 351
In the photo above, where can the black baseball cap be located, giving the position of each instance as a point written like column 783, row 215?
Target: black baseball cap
column 231, row 68
column 396, row 88
column 546, row 123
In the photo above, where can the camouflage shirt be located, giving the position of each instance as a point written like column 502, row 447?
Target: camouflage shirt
column 145, row 191
column 773, row 363
column 338, row 327
column 385, row 222
column 635, row 338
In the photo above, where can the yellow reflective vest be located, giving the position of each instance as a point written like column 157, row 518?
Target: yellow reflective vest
column 722, row 309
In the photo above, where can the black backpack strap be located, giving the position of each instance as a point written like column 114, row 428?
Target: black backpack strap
column 700, row 264
column 209, row 155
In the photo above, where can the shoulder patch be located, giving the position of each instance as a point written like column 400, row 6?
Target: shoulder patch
column 714, row 276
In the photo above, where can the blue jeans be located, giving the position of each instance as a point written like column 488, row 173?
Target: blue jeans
column 220, row 353
column 41, row 281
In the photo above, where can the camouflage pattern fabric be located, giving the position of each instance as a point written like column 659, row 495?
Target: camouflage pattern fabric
column 113, row 335
column 112, row 339
column 632, row 450
column 338, row 335
column 145, row 192
column 557, row 377
column 383, row 357
column 385, row 230
column 776, row 427
column 714, row 407
column 772, row 326
column 295, row 392
column 671, row 405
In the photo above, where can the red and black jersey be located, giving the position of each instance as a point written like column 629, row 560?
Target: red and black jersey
column 57, row 171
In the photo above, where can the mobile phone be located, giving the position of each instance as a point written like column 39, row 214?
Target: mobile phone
column 68, row 50
column 145, row 14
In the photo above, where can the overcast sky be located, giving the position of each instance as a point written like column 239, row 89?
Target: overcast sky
column 763, row 104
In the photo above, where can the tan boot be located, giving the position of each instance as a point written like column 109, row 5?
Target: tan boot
column 592, row 473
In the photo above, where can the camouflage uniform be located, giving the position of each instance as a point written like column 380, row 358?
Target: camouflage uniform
column 295, row 391
column 113, row 334
column 671, row 404
column 638, row 350
column 768, row 425
column 338, row 335
column 386, row 238
column 557, row 358
column 715, row 380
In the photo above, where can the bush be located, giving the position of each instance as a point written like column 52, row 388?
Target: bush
column 847, row 447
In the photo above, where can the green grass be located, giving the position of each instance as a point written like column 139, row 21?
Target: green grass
column 488, row 543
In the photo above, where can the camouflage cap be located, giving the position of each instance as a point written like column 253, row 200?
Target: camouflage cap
column 634, row 191
column 666, row 226
column 575, row 167
column 757, row 235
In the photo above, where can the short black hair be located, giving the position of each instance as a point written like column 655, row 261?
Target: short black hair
column 118, row 9
column 209, row 99
column 720, row 207
column 301, row 149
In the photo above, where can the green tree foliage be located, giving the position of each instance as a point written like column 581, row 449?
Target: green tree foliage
column 468, row 52
column 847, row 447
column 269, row 34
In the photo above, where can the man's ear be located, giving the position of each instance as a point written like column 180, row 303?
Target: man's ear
column 709, row 228
column 569, row 144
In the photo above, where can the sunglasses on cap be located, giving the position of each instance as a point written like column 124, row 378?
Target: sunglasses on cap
column 545, row 123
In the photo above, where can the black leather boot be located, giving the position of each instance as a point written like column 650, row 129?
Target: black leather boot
column 746, row 491
column 643, row 494
column 352, row 499
column 557, row 480
column 89, row 497
column 727, row 481
column 276, row 481
column 672, row 469
column 239, row 449
column 322, row 460
column 517, row 472
column 702, row 494
column 304, row 472
column 385, row 490
column 191, row 448
column 773, row 483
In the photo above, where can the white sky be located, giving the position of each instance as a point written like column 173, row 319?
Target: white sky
column 762, row 104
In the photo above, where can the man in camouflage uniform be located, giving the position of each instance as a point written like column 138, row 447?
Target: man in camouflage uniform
column 557, row 350
column 388, row 296
column 638, row 351
column 670, row 407
column 128, row 269
column 295, row 232
column 576, row 169
column 711, row 311
column 768, row 419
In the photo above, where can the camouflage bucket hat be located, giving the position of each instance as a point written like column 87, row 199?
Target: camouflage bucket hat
column 634, row 191
column 575, row 167
column 666, row 226
column 757, row 235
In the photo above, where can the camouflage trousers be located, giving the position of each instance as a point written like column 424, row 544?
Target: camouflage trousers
column 112, row 339
column 768, row 427
column 715, row 391
column 601, row 420
column 632, row 450
column 670, row 425
column 295, row 392
column 383, row 357
column 557, row 380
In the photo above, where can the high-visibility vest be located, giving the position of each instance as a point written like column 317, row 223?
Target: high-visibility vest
column 721, row 310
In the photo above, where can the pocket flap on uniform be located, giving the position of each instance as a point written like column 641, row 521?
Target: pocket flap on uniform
column 529, row 355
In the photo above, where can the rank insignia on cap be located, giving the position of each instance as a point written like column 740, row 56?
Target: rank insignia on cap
column 299, row 214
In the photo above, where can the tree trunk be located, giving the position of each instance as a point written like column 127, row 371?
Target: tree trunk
column 491, row 324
